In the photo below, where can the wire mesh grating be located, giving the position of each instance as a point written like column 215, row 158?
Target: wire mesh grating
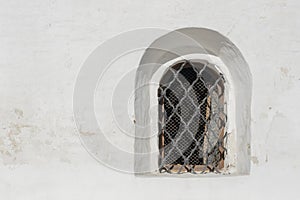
column 192, row 119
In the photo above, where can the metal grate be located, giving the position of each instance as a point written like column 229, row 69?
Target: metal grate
column 192, row 119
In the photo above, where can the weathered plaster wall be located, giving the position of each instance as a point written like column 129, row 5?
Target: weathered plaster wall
column 42, row 47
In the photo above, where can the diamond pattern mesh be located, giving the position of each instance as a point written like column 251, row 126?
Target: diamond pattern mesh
column 191, row 119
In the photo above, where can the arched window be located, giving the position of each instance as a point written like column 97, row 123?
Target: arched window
column 204, row 98
column 192, row 118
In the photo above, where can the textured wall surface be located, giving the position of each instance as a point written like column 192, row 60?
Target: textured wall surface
column 42, row 47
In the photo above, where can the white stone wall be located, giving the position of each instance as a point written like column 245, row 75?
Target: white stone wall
column 43, row 44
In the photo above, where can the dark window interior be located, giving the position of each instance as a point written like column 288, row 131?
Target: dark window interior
column 185, row 110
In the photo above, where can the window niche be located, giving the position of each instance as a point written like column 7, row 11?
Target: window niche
column 204, row 98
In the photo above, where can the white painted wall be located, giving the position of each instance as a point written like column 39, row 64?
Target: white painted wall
column 42, row 47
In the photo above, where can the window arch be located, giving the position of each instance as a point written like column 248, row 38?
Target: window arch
column 197, row 47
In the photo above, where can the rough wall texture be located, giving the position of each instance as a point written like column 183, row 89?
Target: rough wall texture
column 44, row 43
